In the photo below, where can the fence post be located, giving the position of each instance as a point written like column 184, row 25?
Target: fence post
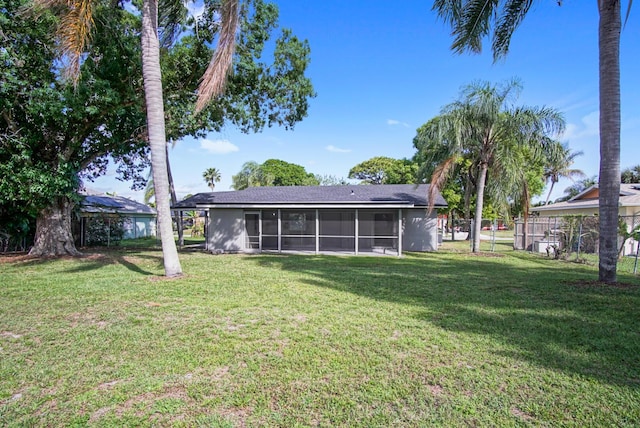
column 579, row 240
column 493, row 235
column 472, row 229
column 532, row 234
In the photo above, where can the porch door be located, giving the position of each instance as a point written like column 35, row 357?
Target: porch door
column 383, row 227
column 252, row 230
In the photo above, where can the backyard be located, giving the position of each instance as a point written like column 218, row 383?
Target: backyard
column 447, row 338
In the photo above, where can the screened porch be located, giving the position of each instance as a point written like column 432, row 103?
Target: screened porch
column 352, row 231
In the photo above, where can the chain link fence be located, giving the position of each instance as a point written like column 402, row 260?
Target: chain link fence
column 577, row 238
column 496, row 235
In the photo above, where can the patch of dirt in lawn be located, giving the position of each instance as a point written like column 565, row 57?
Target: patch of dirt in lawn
column 49, row 407
column 436, row 390
column 87, row 318
column 594, row 283
column 522, row 415
column 142, row 403
column 26, row 258
column 107, row 385
column 159, row 278
column 238, row 415
column 15, row 258
column 485, row 254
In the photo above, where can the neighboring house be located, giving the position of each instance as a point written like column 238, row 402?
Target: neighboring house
column 355, row 219
column 586, row 203
column 139, row 219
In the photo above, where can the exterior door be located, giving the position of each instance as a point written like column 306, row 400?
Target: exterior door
column 252, row 230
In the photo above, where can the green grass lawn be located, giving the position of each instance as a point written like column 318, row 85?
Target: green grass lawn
column 445, row 339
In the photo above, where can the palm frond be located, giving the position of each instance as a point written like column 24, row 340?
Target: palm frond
column 171, row 15
column 438, row 178
column 73, row 32
column 626, row 16
column 474, row 25
column 215, row 77
column 513, row 12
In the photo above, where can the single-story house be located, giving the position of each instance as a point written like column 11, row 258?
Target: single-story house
column 586, row 203
column 139, row 220
column 352, row 219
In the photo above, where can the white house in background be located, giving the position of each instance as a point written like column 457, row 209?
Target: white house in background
column 139, row 219
column 355, row 219
column 586, row 203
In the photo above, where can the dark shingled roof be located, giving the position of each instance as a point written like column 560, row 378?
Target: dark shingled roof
column 398, row 194
column 114, row 204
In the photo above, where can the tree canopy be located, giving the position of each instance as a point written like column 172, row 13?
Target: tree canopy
column 630, row 175
column 385, row 170
column 54, row 136
column 273, row 172
column 485, row 130
column 472, row 21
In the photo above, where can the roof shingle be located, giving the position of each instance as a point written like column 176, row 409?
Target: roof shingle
column 409, row 194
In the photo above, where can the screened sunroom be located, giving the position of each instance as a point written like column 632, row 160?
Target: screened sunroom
column 323, row 230
column 382, row 219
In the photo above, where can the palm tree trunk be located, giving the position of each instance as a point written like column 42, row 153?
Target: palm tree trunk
column 174, row 201
column 550, row 190
column 477, row 224
column 609, row 188
column 157, row 138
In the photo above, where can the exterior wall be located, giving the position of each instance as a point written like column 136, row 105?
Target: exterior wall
column 226, row 230
column 630, row 211
column 139, row 227
column 624, row 211
column 561, row 212
column 420, row 230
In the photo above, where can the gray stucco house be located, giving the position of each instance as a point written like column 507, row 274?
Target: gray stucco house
column 351, row 219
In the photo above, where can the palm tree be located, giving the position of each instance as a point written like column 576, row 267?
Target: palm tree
column 211, row 177
column 579, row 187
column 152, row 78
column 75, row 32
column 559, row 166
column 471, row 21
column 476, row 127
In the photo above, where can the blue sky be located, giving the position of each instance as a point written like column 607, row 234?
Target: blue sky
column 381, row 69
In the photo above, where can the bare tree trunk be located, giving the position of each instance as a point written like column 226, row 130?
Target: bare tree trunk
column 609, row 187
column 157, row 137
column 452, row 226
column 53, row 231
column 477, row 224
column 174, row 201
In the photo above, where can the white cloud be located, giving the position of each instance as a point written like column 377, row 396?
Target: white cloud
column 590, row 127
column 393, row 122
column 218, row 147
column 335, row 149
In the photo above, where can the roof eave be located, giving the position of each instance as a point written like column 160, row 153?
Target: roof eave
column 280, row 205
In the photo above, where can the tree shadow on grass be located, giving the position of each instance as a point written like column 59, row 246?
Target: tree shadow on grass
column 94, row 260
column 550, row 314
